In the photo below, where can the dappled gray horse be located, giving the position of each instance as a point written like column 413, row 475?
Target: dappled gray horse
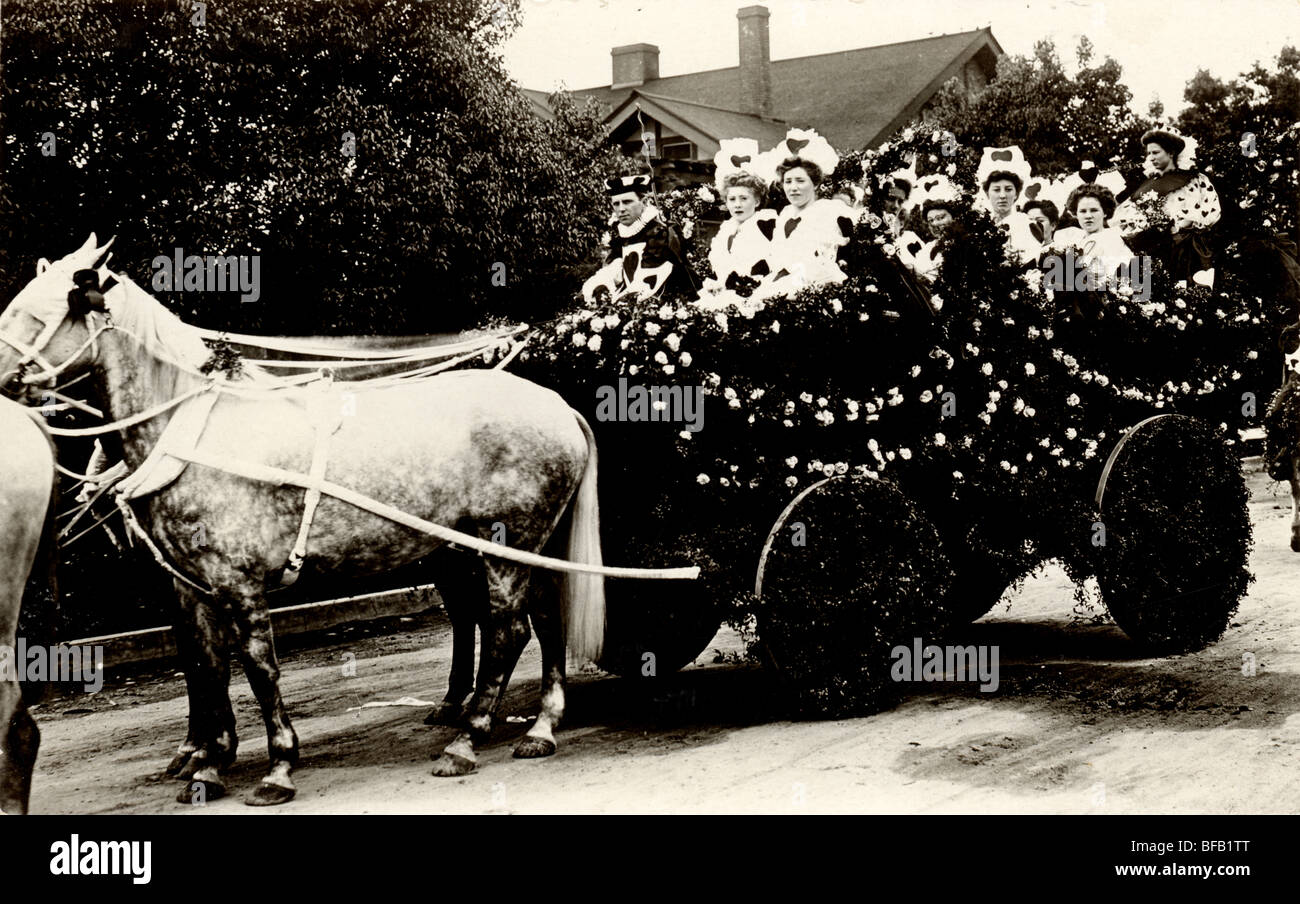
column 481, row 451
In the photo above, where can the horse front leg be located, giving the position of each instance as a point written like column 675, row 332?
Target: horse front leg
column 182, row 765
column 505, row 635
column 19, row 740
column 462, row 585
column 257, row 652
column 202, row 635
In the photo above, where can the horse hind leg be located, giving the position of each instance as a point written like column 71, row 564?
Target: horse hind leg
column 505, row 634
column 462, row 585
column 544, row 610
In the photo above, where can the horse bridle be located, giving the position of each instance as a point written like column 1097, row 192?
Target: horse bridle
column 33, row 353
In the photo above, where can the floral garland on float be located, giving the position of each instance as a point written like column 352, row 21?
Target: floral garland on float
column 993, row 417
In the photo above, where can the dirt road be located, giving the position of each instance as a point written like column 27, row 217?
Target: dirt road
column 1078, row 725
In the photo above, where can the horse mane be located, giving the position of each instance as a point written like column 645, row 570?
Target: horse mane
column 175, row 350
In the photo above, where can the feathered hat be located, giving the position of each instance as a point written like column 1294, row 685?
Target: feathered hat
column 1177, row 145
column 807, row 144
column 933, row 191
column 1003, row 160
column 736, row 155
column 1088, row 174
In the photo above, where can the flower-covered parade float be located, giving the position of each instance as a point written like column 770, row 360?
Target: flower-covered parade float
column 876, row 457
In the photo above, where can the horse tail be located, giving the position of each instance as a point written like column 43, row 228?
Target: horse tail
column 583, row 595
column 38, row 612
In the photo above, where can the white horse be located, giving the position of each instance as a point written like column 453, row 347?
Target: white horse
column 27, row 485
column 482, row 451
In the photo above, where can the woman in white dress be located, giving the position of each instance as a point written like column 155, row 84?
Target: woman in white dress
column 740, row 251
column 809, row 232
column 1002, row 175
column 1095, row 244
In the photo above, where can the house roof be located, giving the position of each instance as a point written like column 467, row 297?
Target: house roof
column 854, row 98
column 703, row 124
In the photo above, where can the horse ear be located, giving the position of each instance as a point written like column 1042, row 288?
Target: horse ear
column 102, row 257
column 41, row 266
column 90, row 244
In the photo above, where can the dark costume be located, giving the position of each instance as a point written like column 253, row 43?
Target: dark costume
column 645, row 258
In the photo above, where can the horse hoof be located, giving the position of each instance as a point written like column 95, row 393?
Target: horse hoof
column 449, row 764
column 531, row 748
column 179, row 762
column 201, row 792
column 268, row 795
column 446, row 714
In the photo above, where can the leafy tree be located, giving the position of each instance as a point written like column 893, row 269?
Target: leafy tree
column 374, row 154
column 1057, row 119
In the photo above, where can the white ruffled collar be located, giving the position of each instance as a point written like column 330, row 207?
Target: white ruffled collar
column 648, row 216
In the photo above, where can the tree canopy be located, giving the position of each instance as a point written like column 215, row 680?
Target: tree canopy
column 1057, row 119
column 375, row 155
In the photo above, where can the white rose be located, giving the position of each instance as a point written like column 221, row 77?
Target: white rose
column 685, row 359
column 594, row 343
column 652, row 329
column 673, row 341
column 661, row 358
column 579, row 339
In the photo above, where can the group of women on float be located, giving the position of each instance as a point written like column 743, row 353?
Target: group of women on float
column 759, row 253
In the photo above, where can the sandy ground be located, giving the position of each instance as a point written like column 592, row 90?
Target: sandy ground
column 1078, row 725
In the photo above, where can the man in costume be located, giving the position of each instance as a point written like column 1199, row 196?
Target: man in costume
column 645, row 253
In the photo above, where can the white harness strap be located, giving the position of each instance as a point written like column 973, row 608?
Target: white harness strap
column 327, row 423
column 133, row 527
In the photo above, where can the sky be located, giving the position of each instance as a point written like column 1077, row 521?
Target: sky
column 1160, row 43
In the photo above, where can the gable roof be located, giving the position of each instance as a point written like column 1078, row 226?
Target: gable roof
column 703, row 124
column 854, row 98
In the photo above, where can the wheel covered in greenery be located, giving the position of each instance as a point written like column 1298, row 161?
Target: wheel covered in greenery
column 851, row 569
column 1172, row 562
column 655, row 628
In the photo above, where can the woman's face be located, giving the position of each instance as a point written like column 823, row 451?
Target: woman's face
column 1002, row 196
column 1158, row 157
column 741, row 202
column 798, row 186
column 894, row 200
column 938, row 220
column 1089, row 214
column 1038, row 218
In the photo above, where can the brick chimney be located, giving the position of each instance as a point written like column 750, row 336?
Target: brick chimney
column 755, row 51
column 634, row 64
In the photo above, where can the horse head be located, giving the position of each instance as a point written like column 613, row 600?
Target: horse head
column 51, row 324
